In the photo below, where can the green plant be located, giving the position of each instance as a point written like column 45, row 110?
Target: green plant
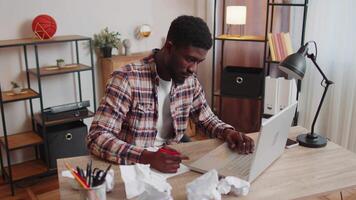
column 14, row 84
column 107, row 38
column 60, row 60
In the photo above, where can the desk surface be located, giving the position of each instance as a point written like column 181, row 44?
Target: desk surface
column 298, row 173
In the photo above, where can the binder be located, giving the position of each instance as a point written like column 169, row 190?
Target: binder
column 279, row 93
column 283, row 93
column 271, row 96
column 293, row 91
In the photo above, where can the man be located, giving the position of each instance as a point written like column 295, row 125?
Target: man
column 149, row 103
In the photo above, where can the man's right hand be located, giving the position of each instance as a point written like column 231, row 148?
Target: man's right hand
column 161, row 161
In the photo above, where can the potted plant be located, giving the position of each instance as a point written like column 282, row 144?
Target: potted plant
column 106, row 40
column 60, row 63
column 16, row 88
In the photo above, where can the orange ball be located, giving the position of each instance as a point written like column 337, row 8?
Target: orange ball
column 44, row 26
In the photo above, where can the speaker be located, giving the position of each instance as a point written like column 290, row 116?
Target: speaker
column 64, row 140
column 243, row 82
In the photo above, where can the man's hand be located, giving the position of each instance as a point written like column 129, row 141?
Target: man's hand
column 239, row 142
column 161, row 161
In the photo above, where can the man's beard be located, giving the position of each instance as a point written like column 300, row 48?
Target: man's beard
column 178, row 80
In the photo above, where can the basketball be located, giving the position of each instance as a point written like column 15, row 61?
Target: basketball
column 44, row 26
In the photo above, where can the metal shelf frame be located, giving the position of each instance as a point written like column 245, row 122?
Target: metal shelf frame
column 35, row 43
column 270, row 4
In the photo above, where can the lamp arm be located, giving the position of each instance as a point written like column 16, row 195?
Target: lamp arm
column 327, row 82
column 312, row 57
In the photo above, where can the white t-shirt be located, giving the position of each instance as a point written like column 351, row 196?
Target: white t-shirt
column 164, row 122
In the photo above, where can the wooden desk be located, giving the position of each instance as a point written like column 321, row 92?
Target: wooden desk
column 299, row 172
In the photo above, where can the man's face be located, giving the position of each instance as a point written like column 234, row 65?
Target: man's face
column 183, row 62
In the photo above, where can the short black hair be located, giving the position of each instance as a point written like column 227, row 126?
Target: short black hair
column 189, row 30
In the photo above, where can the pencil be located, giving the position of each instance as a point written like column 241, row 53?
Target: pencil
column 77, row 177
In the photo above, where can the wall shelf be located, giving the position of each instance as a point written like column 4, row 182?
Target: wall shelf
column 35, row 41
column 272, row 61
column 21, row 140
column 9, row 96
column 26, row 169
column 287, row 4
column 53, row 70
column 243, row 38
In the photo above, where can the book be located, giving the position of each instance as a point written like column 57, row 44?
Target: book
column 284, row 45
column 271, row 46
column 277, row 47
column 288, row 43
column 280, row 45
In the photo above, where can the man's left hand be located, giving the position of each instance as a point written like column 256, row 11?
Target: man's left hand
column 239, row 142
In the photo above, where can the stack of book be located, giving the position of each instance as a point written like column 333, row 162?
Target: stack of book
column 280, row 45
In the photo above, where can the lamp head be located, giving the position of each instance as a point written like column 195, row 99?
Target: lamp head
column 294, row 65
column 236, row 15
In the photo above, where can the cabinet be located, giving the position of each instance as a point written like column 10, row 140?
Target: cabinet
column 246, row 110
column 108, row 65
column 9, row 142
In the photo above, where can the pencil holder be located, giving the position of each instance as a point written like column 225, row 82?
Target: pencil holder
column 94, row 193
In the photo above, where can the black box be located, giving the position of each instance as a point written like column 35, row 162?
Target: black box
column 244, row 82
column 65, row 140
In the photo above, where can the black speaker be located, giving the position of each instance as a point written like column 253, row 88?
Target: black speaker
column 243, row 82
column 64, row 140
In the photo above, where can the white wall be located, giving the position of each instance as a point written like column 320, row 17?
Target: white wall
column 82, row 17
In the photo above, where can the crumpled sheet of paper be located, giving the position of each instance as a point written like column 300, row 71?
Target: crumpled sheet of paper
column 208, row 187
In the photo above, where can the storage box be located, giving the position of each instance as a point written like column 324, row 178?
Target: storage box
column 64, row 140
column 243, row 82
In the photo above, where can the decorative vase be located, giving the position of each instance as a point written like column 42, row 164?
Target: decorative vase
column 106, row 51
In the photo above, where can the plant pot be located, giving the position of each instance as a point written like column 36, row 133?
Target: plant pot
column 60, row 64
column 16, row 90
column 106, row 51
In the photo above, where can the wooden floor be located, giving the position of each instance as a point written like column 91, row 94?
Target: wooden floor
column 47, row 188
column 41, row 188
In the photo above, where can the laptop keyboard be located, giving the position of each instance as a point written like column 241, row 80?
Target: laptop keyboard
column 241, row 164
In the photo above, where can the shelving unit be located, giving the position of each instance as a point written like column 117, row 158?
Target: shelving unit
column 9, row 142
column 267, row 62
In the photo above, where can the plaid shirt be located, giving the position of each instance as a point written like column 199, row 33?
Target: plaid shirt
column 125, row 122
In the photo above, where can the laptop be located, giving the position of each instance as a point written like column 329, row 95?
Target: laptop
column 269, row 146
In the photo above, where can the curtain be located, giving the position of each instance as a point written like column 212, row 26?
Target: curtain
column 330, row 23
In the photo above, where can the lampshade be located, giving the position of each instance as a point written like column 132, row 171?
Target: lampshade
column 294, row 65
column 236, row 15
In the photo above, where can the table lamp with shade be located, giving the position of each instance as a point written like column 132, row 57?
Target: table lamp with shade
column 235, row 15
column 294, row 65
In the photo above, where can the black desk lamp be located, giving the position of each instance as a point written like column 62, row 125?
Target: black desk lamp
column 294, row 65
